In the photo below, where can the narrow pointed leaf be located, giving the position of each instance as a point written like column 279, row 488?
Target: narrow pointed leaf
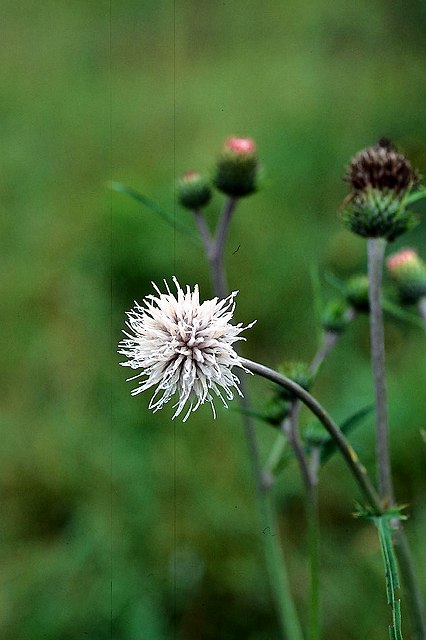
column 329, row 447
column 154, row 207
column 417, row 195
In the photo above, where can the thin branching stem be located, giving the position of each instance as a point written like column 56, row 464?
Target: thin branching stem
column 308, row 473
column 290, row 428
column 216, row 259
column 204, row 232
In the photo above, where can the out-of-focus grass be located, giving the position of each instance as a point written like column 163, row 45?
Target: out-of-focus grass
column 95, row 490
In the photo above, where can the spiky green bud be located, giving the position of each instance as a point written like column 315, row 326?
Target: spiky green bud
column 237, row 168
column 336, row 316
column 381, row 179
column 193, row 190
column 356, row 293
column 299, row 373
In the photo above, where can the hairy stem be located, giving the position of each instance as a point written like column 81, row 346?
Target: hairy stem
column 216, row 258
column 422, row 309
column 204, row 232
column 376, row 249
column 415, row 600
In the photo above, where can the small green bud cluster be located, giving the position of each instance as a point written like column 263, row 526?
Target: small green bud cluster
column 356, row 293
column 299, row 373
column 278, row 408
column 408, row 271
column 336, row 316
column 193, row 190
column 380, row 179
column 235, row 174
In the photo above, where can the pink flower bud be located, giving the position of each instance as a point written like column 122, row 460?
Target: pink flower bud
column 408, row 271
column 403, row 258
column 242, row 146
column 237, row 167
column 193, row 190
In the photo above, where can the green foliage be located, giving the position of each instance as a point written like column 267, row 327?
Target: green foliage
column 94, row 488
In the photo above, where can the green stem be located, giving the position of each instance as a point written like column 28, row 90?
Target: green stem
column 376, row 249
column 309, row 477
column 289, row 621
column 392, row 582
column 422, row 309
column 314, row 540
column 218, row 248
column 415, row 601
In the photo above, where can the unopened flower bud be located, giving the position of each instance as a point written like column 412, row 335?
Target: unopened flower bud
column 336, row 316
column 380, row 179
column 315, row 435
column 193, row 190
column 408, row 271
column 356, row 293
column 299, row 373
column 237, row 167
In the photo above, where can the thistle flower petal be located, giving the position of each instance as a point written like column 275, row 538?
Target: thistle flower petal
column 183, row 347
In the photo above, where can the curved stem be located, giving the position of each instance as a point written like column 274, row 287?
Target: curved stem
column 376, row 249
column 358, row 470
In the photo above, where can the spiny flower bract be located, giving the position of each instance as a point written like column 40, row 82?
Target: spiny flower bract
column 183, row 347
column 381, row 180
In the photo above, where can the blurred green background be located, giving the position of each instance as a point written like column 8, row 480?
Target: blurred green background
column 116, row 523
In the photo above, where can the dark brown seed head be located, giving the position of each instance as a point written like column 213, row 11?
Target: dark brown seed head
column 381, row 167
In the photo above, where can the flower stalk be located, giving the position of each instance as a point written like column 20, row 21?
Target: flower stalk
column 422, row 309
column 376, row 249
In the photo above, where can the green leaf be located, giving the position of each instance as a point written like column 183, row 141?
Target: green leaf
column 385, row 531
column 395, row 311
column 155, row 208
column 329, row 447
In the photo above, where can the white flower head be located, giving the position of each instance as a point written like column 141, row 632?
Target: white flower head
column 183, row 347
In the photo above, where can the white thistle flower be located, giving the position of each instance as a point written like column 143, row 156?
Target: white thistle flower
column 183, row 347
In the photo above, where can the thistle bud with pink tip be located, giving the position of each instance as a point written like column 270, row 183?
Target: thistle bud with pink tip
column 193, row 190
column 408, row 271
column 237, row 168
